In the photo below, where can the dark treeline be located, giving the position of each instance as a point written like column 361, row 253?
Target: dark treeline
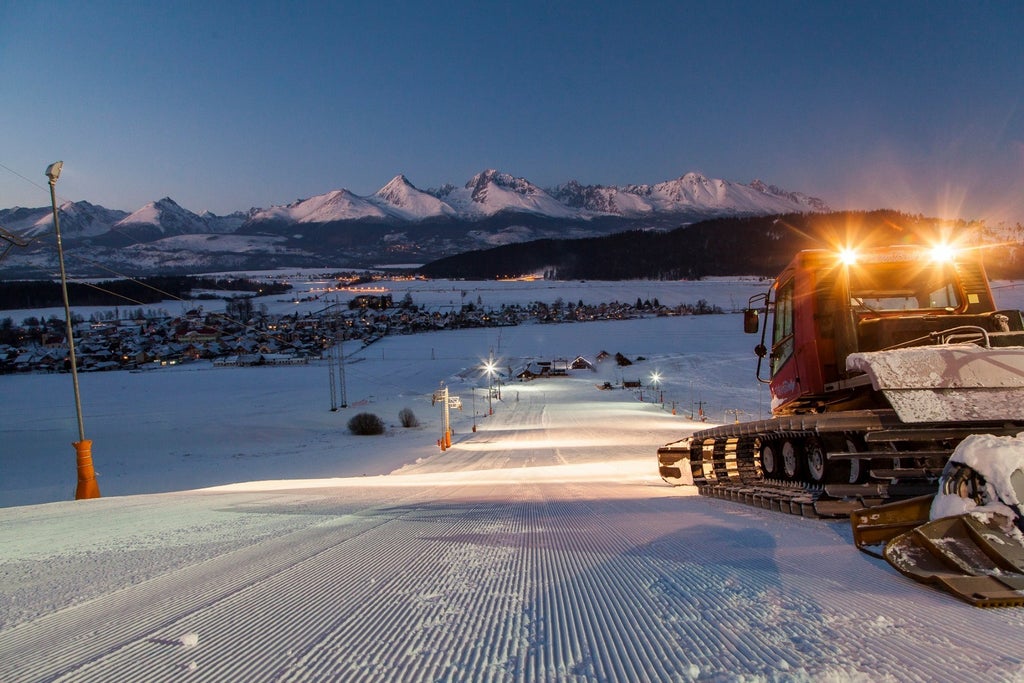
column 760, row 245
column 47, row 294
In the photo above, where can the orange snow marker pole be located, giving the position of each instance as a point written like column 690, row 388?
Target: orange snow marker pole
column 87, row 486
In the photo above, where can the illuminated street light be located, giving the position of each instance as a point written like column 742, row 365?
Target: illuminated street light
column 655, row 382
column 87, row 486
column 489, row 368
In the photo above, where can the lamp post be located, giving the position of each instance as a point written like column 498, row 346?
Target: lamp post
column 656, row 381
column 87, row 486
column 489, row 369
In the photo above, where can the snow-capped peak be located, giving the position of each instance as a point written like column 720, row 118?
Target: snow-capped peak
column 337, row 205
column 82, row 219
column 491, row 191
column 397, row 189
column 402, row 199
column 480, row 183
column 164, row 214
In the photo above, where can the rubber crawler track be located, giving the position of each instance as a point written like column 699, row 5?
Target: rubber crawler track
column 724, row 461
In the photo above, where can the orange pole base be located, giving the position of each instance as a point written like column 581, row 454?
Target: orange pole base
column 87, row 486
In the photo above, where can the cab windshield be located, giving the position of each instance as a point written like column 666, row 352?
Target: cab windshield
column 903, row 287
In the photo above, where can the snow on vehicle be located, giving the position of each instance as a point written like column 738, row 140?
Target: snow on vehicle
column 967, row 538
column 880, row 362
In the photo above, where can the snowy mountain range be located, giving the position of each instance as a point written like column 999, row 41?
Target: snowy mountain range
column 492, row 192
column 399, row 223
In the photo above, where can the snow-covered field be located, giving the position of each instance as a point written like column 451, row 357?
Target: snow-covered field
column 244, row 534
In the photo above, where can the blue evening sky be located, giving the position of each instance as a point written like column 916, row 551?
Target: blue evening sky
column 223, row 106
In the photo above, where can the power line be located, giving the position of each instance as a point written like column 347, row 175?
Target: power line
column 27, row 180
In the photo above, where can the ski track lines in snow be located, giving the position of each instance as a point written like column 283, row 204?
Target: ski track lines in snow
column 541, row 582
column 518, row 574
column 549, row 583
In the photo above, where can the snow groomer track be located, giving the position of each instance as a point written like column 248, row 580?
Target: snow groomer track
column 725, row 461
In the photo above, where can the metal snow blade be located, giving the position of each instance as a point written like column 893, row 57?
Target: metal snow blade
column 974, row 560
column 875, row 526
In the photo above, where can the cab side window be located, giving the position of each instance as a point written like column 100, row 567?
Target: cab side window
column 782, row 333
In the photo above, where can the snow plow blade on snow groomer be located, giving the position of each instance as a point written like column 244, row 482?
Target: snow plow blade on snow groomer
column 972, row 557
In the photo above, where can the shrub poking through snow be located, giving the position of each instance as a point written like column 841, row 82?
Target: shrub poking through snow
column 407, row 418
column 366, row 424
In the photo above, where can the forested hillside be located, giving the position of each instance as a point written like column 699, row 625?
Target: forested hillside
column 759, row 245
column 16, row 294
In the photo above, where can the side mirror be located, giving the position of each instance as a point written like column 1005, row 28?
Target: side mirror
column 750, row 320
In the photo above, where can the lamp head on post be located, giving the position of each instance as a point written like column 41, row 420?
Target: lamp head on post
column 53, row 171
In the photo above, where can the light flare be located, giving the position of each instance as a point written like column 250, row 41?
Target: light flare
column 848, row 256
column 943, row 253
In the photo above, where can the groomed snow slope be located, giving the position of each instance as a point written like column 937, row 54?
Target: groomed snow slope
column 541, row 546
column 520, row 554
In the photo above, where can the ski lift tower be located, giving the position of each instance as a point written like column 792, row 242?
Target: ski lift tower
column 447, row 402
column 335, row 357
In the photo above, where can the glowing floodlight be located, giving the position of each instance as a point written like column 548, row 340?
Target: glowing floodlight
column 491, row 368
column 848, row 257
column 943, row 253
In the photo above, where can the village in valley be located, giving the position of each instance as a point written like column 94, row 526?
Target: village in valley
column 246, row 332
